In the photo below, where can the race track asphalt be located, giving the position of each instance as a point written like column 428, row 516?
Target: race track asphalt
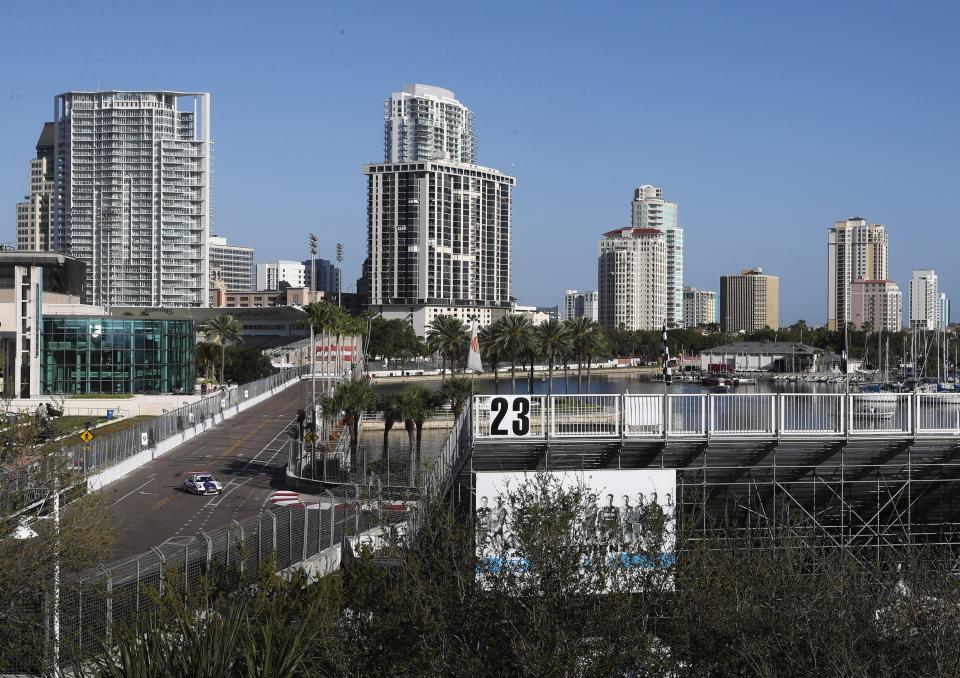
column 246, row 454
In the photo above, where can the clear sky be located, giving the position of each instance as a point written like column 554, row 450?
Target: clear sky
column 765, row 121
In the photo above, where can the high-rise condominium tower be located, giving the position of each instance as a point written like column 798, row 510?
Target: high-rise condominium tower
column 650, row 210
column 877, row 304
column 924, row 300
column 438, row 231
column 35, row 213
column 631, row 278
column 700, row 307
column 422, row 122
column 234, row 264
column 856, row 250
column 749, row 301
column 944, row 316
column 580, row 305
column 132, row 194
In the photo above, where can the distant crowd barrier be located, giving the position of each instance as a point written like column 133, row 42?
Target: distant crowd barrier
column 704, row 416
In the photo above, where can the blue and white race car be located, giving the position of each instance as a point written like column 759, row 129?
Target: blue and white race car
column 201, row 482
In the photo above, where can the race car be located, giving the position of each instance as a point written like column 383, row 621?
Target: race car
column 201, row 482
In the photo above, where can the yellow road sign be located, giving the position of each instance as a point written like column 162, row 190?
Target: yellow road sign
column 310, row 437
column 86, row 436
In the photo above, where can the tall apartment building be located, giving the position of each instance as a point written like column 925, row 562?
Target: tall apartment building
column 422, row 122
column 35, row 213
column 944, row 314
column 233, row 264
column 700, row 307
column 877, row 302
column 650, row 210
column 749, row 301
column 438, row 230
column 632, row 279
column 580, row 305
column 856, row 250
column 269, row 275
column 924, row 300
column 132, row 194
column 328, row 275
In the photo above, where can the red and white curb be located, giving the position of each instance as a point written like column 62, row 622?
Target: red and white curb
column 285, row 498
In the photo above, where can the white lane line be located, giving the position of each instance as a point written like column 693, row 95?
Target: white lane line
column 218, row 499
column 131, row 492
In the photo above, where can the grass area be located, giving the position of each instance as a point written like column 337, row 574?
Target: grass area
column 106, row 429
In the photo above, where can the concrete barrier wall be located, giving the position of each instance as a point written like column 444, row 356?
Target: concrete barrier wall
column 117, row 471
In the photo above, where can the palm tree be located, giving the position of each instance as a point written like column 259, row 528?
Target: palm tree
column 206, row 355
column 512, row 336
column 417, row 404
column 458, row 391
column 317, row 317
column 582, row 333
column 490, row 350
column 448, row 336
column 353, row 398
column 553, row 337
column 220, row 330
column 392, row 410
column 594, row 346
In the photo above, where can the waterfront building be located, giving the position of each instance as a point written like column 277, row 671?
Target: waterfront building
column 631, row 279
column 856, row 250
column 132, row 194
column 944, row 313
column 749, row 301
column 269, row 275
column 422, row 122
column 35, row 213
column 700, row 307
column 233, row 263
column 328, row 275
column 877, row 303
column 766, row 356
column 924, row 300
column 650, row 210
column 578, row 304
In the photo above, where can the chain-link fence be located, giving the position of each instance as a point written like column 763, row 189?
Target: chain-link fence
column 96, row 604
column 18, row 487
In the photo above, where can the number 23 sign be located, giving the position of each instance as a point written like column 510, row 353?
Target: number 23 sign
column 509, row 416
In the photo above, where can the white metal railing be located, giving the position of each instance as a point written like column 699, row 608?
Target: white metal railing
column 703, row 416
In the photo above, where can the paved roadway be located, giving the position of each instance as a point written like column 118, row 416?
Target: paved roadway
column 246, row 453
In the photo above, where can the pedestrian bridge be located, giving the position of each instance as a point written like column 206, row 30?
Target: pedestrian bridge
column 507, row 419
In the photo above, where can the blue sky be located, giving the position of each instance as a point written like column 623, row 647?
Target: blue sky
column 765, row 121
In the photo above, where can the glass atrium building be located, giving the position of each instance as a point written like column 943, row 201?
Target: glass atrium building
column 81, row 355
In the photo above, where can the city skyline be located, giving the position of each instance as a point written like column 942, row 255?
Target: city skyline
column 785, row 145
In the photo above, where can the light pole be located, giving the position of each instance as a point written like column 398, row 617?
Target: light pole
column 339, row 273
column 313, row 337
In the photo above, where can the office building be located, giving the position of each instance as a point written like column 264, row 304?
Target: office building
column 700, row 307
column 631, row 279
column 580, row 305
column 944, row 315
column 924, row 300
column 328, row 275
column 233, row 263
column 271, row 274
column 650, row 210
column 749, row 301
column 856, row 250
column 877, row 304
column 132, row 194
column 35, row 213
column 422, row 123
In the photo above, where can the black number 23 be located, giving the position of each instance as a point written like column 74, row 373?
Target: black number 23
column 521, row 424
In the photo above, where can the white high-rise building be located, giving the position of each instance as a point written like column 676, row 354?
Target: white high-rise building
column 700, row 307
column 234, row 264
column 35, row 212
column 650, row 210
column 856, row 250
column 924, row 300
column 580, row 305
column 422, row 122
column 438, row 226
column 944, row 315
column 132, row 194
column 269, row 275
column 632, row 279
column 878, row 303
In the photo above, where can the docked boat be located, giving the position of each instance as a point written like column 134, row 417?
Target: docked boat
column 872, row 402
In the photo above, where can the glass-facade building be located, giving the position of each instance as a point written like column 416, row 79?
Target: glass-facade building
column 81, row 355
